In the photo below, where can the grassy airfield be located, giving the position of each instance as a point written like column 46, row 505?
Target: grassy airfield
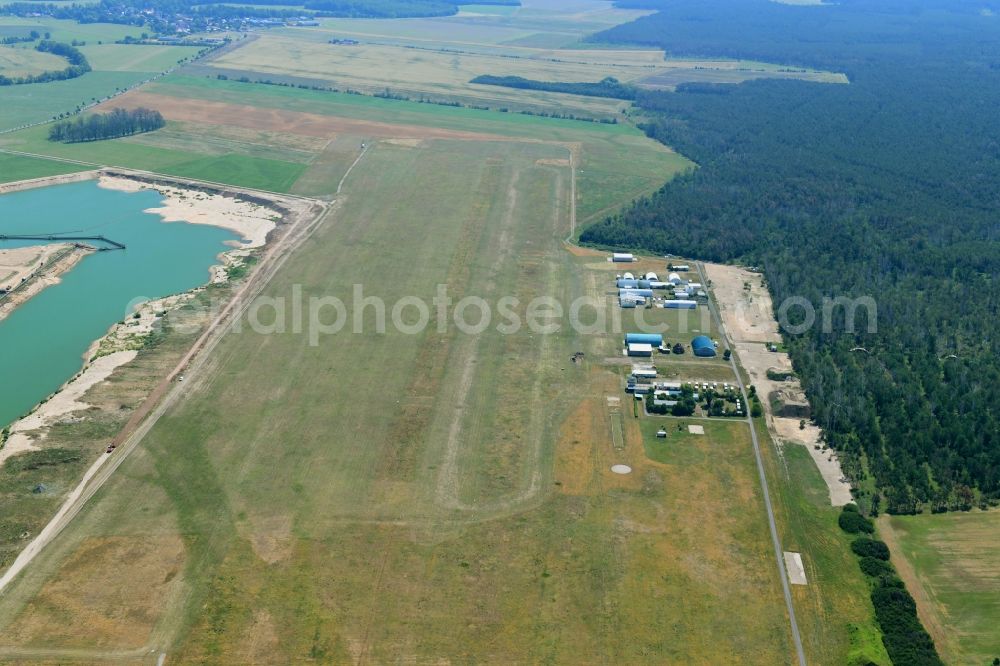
column 392, row 497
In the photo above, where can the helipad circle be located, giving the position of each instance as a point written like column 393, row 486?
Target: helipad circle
column 621, row 469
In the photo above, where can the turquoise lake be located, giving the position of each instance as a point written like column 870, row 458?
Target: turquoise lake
column 43, row 341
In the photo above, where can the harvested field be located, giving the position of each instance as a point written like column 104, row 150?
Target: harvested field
column 205, row 112
column 953, row 571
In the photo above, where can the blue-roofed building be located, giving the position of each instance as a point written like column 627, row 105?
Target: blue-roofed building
column 703, row 346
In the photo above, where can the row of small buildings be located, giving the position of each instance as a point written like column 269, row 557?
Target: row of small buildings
column 635, row 291
column 643, row 344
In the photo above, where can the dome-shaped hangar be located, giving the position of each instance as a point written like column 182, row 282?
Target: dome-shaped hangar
column 703, row 346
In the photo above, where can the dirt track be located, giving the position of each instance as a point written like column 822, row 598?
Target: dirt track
column 287, row 122
column 748, row 315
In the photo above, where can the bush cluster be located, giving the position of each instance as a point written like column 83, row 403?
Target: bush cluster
column 905, row 639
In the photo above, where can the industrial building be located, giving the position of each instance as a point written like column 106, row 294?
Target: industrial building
column 622, row 257
column 674, row 278
column 645, row 293
column 643, row 372
column 627, row 283
column 680, row 304
column 703, row 346
column 627, row 300
column 639, row 349
column 647, row 338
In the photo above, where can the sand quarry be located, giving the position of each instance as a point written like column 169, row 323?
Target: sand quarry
column 37, row 267
column 251, row 221
column 749, row 318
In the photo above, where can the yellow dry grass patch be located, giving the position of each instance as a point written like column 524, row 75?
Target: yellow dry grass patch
column 109, row 594
column 575, row 455
column 270, row 537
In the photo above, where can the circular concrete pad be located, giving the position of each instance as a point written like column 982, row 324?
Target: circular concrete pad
column 621, row 469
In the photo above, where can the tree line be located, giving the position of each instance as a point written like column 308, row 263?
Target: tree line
column 904, row 637
column 606, row 87
column 98, row 126
column 883, row 187
column 78, row 65
column 23, row 39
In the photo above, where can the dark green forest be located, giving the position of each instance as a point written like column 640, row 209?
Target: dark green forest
column 606, row 87
column 111, row 125
column 887, row 187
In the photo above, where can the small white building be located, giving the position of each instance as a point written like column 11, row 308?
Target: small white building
column 674, row 278
column 622, row 257
column 646, row 372
column 681, row 267
column 651, row 276
column 639, row 349
column 628, row 276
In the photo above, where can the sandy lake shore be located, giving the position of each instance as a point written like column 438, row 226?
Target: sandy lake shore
column 61, row 404
column 38, row 266
column 253, row 222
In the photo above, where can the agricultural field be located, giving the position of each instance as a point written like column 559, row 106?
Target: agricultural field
column 116, row 67
column 293, row 135
column 19, row 61
column 16, row 167
column 541, row 24
column 437, row 74
column 952, row 568
column 680, row 70
column 437, row 57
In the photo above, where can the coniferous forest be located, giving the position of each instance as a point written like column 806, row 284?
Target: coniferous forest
column 114, row 124
column 888, row 187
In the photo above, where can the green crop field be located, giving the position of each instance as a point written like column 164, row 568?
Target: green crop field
column 952, row 567
column 38, row 102
column 15, row 167
column 618, row 163
column 150, row 59
column 115, row 67
column 178, row 153
column 62, row 30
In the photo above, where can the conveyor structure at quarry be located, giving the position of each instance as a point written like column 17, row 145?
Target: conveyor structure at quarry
column 109, row 244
